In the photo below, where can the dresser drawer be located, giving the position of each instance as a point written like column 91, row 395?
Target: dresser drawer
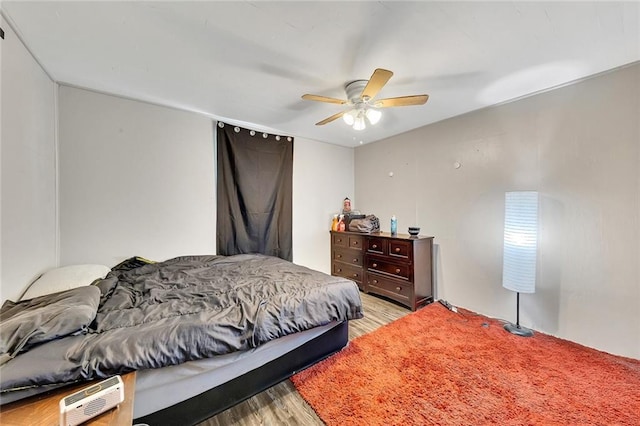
column 392, row 288
column 347, row 271
column 376, row 245
column 399, row 270
column 351, row 257
column 340, row 240
column 400, row 249
column 356, row 242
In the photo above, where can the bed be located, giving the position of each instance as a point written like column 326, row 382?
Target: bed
column 213, row 329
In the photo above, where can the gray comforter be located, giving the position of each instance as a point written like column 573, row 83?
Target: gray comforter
column 184, row 309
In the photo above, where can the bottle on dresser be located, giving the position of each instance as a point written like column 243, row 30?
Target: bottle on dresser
column 334, row 223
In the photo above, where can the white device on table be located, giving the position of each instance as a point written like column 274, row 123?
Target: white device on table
column 86, row 403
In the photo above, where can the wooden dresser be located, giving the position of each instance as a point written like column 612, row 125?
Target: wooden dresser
column 395, row 266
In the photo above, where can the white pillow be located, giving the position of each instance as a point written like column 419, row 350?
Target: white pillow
column 65, row 278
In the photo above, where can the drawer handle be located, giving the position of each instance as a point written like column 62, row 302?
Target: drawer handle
column 375, row 246
column 355, row 275
column 375, row 265
column 398, row 288
column 397, row 249
column 355, row 260
column 375, row 281
column 397, row 270
column 339, row 256
column 339, row 269
column 355, row 243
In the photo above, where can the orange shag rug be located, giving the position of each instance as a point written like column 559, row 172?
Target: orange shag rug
column 436, row 367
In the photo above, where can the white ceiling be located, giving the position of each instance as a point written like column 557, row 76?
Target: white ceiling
column 248, row 63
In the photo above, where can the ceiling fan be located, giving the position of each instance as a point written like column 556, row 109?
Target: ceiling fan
column 361, row 98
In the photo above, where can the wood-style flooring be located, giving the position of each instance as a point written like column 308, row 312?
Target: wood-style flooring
column 282, row 404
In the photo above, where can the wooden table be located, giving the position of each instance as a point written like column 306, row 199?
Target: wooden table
column 44, row 409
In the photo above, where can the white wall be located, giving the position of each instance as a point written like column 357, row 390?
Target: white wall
column 135, row 179
column 28, row 177
column 579, row 146
column 139, row 179
column 322, row 178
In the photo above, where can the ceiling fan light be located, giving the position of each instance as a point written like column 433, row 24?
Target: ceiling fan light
column 359, row 123
column 373, row 115
column 349, row 118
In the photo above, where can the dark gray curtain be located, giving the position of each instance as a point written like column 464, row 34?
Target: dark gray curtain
column 254, row 193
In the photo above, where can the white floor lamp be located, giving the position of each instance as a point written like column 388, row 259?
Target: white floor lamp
column 520, row 249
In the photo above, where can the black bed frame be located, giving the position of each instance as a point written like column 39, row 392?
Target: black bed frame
column 199, row 408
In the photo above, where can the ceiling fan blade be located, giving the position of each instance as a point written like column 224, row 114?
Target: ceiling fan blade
column 323, row 99
column 402, row 101
column 378, row 79
column 330, row 119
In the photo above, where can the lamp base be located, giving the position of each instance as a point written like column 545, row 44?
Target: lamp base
column 517, row 330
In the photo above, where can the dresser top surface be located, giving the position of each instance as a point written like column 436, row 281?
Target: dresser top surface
column 385, row 235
